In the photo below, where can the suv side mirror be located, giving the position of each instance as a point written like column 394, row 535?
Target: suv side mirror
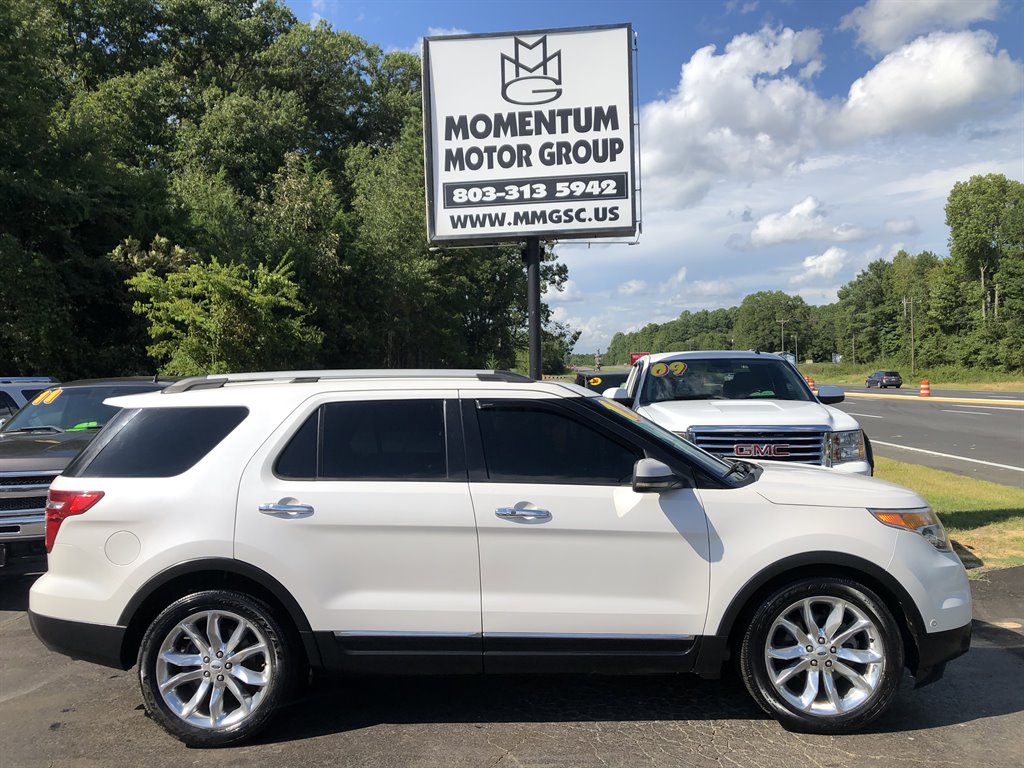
column 653, row 476
column 619, row 395
column 830, row 395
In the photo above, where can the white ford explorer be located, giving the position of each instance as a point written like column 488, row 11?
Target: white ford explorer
column 746, row 405
column 231, row 532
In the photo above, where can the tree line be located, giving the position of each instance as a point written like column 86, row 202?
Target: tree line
column 198, row 186
column 965, row 309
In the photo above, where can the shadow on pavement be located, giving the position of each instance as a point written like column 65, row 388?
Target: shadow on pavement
column 14, row 591
column 978, row 686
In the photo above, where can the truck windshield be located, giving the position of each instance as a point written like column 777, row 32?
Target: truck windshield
column 722, row 379
column 70, row 409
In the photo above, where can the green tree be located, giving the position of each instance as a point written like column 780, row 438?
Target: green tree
column 218, row 318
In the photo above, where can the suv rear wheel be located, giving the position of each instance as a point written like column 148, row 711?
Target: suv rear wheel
column 214, row 666
column 823, row 656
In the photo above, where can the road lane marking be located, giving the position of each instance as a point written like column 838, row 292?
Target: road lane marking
column 949, row 456
column 965, row 413
column 866, row 415
column 935, row 399
column 994, row 408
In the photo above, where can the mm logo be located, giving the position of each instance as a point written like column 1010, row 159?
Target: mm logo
column 780, row 449
column 531, row 75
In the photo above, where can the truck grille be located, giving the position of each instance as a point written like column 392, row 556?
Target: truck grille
column 798, row 445
column 24, row 493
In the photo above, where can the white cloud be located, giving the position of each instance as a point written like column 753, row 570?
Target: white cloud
column 821, row 267
column 417, row 47
column 674, row 282
column 633, row 287
column 902, row 226
column 804, row 221
column 569, row 293
column 750, row 113
column 884, row 25
column 928, row 86
column 708, row 288
column 315, row 19
column 740, row 113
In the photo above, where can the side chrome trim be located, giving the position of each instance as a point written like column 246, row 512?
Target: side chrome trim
column 583, row 636
column 364, row 633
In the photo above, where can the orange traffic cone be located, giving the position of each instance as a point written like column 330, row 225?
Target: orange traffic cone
column 926, row 390
column 810, row 383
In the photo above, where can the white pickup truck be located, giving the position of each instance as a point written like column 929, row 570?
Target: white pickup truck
column 749, row 405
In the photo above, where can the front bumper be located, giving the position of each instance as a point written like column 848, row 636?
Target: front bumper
column 98, row 643
column 934, row 649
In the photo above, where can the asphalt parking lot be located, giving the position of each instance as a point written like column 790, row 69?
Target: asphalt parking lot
column 58, row 712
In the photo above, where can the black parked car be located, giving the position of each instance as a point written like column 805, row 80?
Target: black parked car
column 599, row 381
column 883, row 379
column 36, row 443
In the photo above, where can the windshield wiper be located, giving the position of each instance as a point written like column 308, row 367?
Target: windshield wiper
column 40, row 428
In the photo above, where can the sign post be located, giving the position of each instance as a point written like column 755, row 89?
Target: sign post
column 529, row 135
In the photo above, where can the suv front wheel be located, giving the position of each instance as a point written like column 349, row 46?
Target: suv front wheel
column 213, row 667
column 822, row 656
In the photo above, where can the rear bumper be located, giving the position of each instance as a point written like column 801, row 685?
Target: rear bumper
column 98, row 643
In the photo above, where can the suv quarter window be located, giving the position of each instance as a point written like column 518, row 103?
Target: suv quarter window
column 529, row 441
column 369, row 440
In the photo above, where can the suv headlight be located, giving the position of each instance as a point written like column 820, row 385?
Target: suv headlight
column 845, row 446
column 922, row 521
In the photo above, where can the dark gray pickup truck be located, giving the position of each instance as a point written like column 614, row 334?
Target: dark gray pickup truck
column 36, row 443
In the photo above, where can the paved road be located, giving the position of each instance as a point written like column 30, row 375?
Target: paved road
column 65, row 714
column 908, row 390
column 988, row 434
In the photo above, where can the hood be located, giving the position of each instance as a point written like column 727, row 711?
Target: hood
column 801, row 485
column 680, row 415
column 41, row 452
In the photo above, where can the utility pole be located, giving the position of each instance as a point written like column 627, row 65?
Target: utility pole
column 913, row 362
column 796, row 347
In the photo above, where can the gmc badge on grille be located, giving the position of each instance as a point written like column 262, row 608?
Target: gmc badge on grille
column 780, row 449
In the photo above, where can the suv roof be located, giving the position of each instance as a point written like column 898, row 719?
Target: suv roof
column 214, row 381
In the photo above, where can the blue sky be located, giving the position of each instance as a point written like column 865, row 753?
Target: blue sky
column 784, row 144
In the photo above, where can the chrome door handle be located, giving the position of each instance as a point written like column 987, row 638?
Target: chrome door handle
column 510, row 513
column 286, row 511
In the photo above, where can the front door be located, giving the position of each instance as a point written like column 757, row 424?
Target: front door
column 571, row 558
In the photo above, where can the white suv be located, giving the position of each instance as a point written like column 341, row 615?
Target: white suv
column 231, row 532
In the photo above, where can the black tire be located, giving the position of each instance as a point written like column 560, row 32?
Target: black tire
column 885, row 675
column 281, row 663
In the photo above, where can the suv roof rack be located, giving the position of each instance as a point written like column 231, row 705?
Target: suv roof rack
column 215, row 381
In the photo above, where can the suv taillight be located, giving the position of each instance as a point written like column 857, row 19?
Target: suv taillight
column 62, row 504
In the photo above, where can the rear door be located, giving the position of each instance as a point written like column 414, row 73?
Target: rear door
column 359, row 505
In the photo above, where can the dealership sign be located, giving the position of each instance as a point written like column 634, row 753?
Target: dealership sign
column 529, row 134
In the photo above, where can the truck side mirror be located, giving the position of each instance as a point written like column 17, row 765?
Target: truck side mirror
column 830, row 395
column 619, row 395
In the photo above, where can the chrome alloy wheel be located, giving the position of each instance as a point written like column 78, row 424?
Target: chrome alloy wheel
column 213, row 669
column 824, row 656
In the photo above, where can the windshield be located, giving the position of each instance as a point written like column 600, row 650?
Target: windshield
column 722, row 379
column 70, row 410
column 633, row 420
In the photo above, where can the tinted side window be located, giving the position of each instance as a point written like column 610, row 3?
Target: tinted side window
column 7, row 405
column 530, row 444
column 383, row 440
column 161, row 442
column 298, row 459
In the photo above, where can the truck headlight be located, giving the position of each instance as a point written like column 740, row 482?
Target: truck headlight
column 845, row 446
column 922, row 521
